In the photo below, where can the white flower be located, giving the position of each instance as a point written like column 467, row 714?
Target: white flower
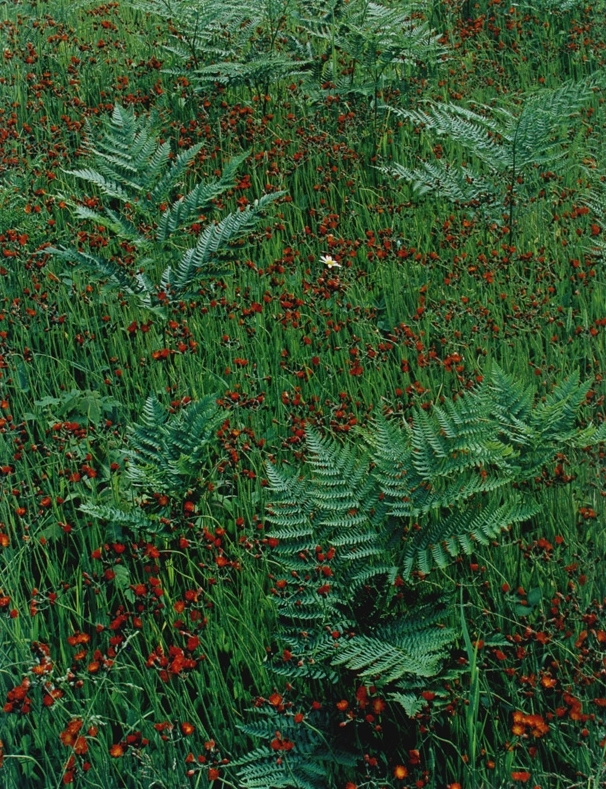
column 329, row 261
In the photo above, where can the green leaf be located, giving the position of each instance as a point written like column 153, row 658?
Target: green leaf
column 52, row 532
column 122, row 581
column 534, row 596
column 411, row 702
column 47, row 401
column 90, row 406
column 23, row 377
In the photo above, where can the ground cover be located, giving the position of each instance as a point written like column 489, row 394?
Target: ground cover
column 210, row 570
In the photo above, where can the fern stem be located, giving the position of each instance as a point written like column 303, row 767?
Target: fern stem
column 474, row 701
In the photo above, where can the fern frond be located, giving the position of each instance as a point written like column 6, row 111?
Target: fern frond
column 305, row 764
column 186, row 208
column 556, row 416
column 101, row 267
column 242, row 72
column 538, row 131
column 468, row 128
column 504, row 143
column 112, row 221
column 371, row 657
column 136, row 520
column 364, row 577
column 166, row 453
column 111, row 188
column 512, row 404
column 174, row 175
column 214, row 239
column 411, row 702
column 152, row 162
column 460, row 185
column 446, row 537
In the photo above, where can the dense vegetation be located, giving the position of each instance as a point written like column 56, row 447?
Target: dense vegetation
column 302, row 356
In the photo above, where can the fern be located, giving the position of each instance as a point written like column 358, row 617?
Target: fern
column 379, row 41
column 231, row 43
column 138, row 178
column 344, row 540
column 259, row 44
column 212, row 241
column 507, row 146
column 351, row 533
column 133, row 520
column 186, row 208
column 332, row 545
column 457, row 466
column 262, row 70
column 306, row 758
column 205, row 28
column 110, row 271
column 410, row 648
column 166, row 455
column 460, row 185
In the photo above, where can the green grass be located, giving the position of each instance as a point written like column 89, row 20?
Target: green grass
column 427, row 297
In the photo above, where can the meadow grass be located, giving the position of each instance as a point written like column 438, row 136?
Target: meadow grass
column 428, row 295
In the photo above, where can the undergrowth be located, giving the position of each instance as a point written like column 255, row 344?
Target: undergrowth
column 302, row 394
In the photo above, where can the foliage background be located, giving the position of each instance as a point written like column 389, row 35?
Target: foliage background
column 130, row 659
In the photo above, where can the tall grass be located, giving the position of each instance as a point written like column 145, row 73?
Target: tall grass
column 427, row 295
